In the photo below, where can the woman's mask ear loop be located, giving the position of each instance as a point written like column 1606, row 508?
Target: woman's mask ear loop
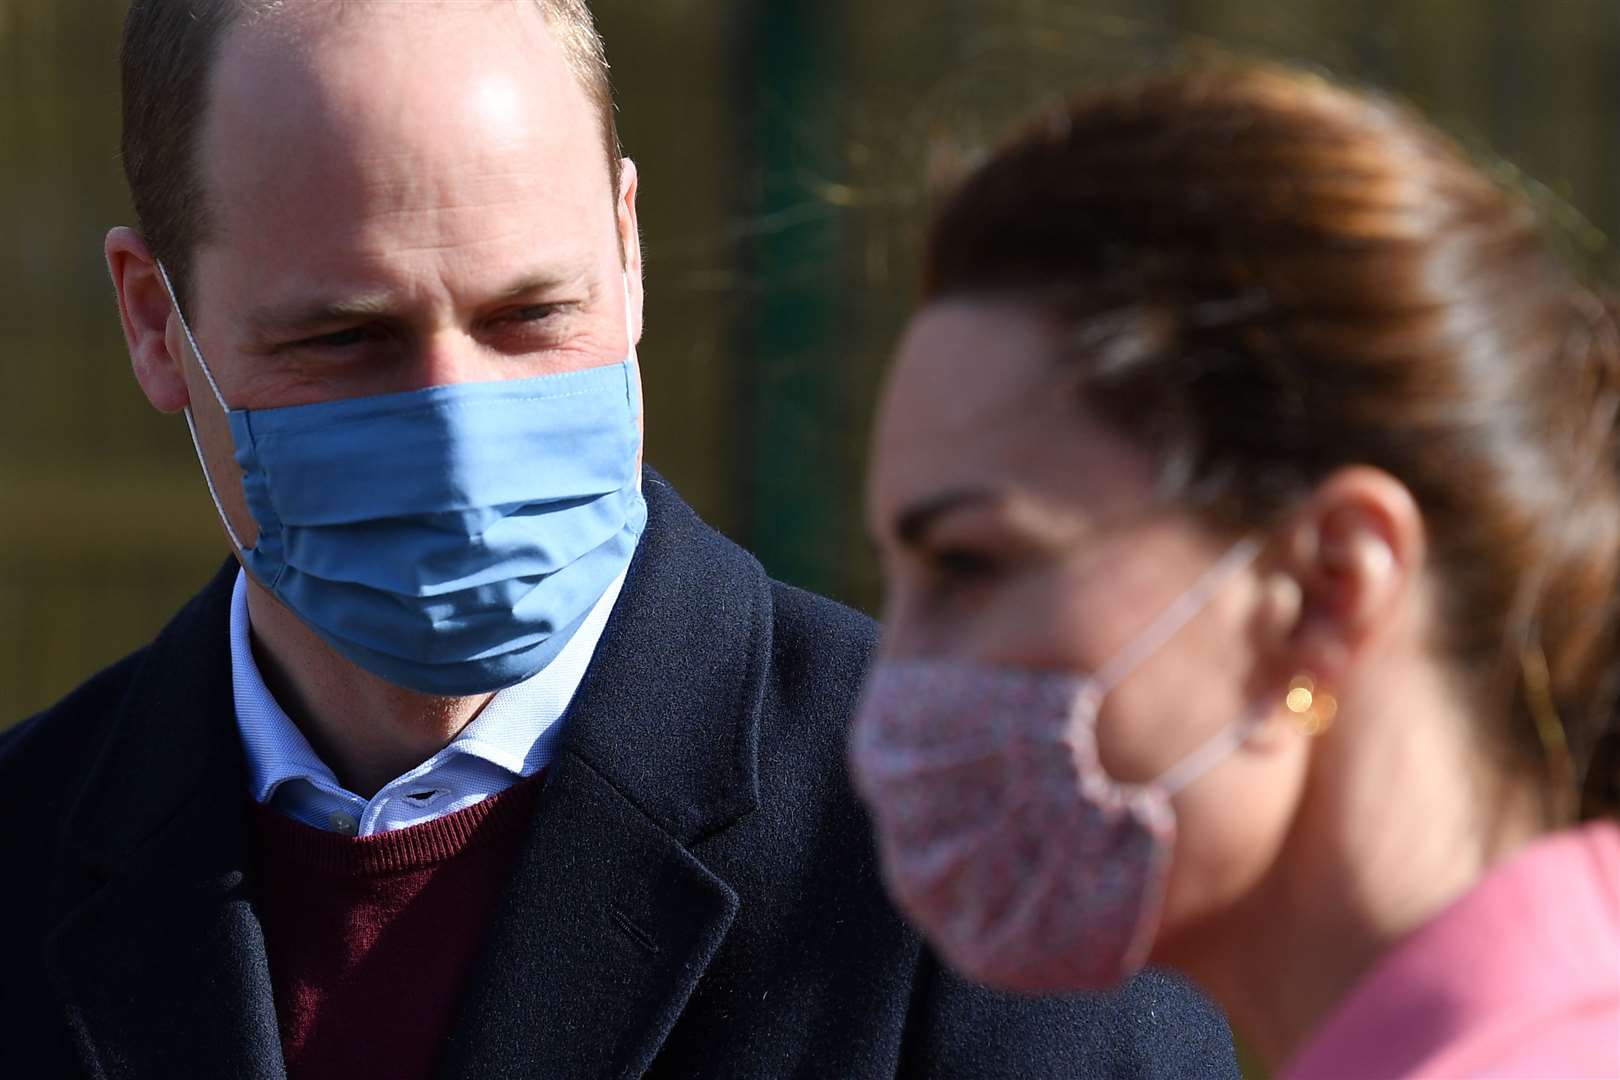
column 1311, row 707
column 191, row 424
column 1179, row 614
column 1160, row 631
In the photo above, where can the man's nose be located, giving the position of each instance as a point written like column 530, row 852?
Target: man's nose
column 446, row 358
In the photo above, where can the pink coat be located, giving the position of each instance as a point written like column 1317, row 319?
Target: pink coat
column 1519, row 978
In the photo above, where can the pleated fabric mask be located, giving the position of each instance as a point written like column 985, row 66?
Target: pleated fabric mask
column 449, row 540
column 1002, row 837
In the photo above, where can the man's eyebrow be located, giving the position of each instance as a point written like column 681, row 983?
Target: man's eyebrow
column 303, row 313
column 914, row 523
column 290, row 317
column 542, row 281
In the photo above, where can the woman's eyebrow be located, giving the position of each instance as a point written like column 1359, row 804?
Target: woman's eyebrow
column 915, row 522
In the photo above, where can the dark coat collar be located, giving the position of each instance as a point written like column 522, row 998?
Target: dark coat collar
column 669, row 709
column 159, row 952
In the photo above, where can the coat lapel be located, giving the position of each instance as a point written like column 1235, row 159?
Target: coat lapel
column 611, row 921
column 158, row 954
column 606, row 929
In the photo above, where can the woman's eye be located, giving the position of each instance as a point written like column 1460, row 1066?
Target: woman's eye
column 961, row 566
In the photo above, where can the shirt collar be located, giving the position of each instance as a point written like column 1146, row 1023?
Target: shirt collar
column 517, row 731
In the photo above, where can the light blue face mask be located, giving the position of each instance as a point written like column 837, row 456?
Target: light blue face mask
column 449, row 540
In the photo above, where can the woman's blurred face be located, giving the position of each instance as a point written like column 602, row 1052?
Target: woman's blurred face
column 1016, row 530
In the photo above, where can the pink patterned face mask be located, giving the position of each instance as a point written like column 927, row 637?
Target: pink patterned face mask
column 1001, row 836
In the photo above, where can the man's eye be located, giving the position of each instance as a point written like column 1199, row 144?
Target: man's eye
column 532, row 313
column 343, row 339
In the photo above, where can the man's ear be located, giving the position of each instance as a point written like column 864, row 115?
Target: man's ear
column 145, row 309
column 1356, row 549
column 630, row 242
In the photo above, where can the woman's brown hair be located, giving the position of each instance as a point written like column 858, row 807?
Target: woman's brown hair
column 1270, row 277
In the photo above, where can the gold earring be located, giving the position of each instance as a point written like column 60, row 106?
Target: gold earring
column 1312, row 707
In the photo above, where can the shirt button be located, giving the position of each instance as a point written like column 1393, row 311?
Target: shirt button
column 344, row 823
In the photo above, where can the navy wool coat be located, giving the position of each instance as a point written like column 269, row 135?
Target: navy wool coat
column 696, row 896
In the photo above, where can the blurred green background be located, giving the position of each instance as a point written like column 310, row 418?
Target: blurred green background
column 785, row 148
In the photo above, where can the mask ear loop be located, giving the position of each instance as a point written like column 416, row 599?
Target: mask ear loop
column 191, row 424
column 629, row 331
column 168, row 286
column 1214, row 751
column 1161, row 630
column 630, row 341
column 635, row 371
column 1170, row 621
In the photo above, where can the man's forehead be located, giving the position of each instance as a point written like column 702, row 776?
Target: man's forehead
column 431, row 141
column 423, row 125
column 312, row 20
column 340, row 52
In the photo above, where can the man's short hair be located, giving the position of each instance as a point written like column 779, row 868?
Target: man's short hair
column 165, row 61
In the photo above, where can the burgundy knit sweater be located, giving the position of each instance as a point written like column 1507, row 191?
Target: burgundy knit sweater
column 371, row 940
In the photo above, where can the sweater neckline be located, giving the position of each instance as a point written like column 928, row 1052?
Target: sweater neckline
column 487, row 822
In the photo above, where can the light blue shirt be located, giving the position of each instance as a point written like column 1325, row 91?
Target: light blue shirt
column 514, row 736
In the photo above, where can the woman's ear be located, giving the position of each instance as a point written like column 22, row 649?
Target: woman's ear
column 1353, row 551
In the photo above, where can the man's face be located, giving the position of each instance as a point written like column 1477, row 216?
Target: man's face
column 402, row 196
